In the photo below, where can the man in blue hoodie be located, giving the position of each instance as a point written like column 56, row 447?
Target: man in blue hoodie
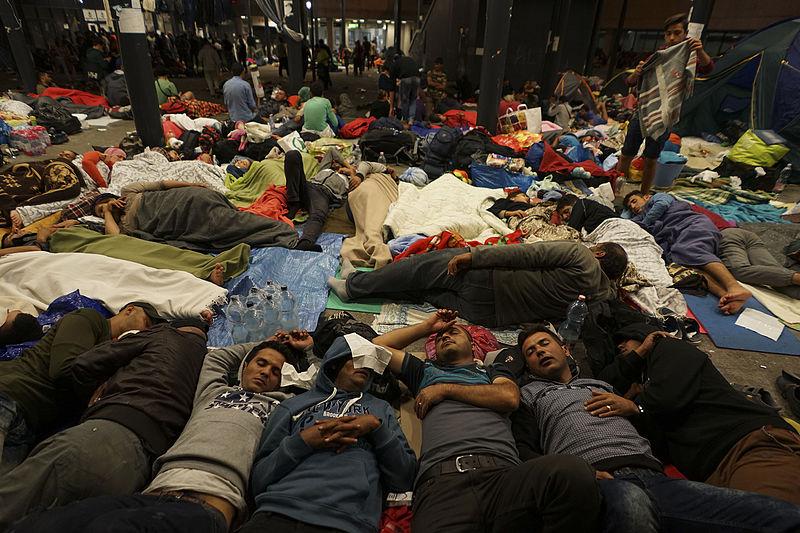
column 328, row 457
column 470, row 474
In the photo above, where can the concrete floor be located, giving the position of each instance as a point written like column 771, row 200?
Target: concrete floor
column 742, row 367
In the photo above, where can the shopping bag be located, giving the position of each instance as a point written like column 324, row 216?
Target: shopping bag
column 523, row 119
column 533, row 119
column 293, row 141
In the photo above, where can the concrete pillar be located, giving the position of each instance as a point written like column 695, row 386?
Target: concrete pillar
column 397, row 23
column 12, row 21
column 700, row 13
column 329, row 27
column 495, row 44
column 294, row 48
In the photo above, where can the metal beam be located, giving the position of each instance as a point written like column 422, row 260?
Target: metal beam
column 23, row 59
column 495, row 48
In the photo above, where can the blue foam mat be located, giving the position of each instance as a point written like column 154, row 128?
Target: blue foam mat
column 726, row 334
column 304, row 273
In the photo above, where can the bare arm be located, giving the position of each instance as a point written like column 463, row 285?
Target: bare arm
column 112, row 228
column 397, row 340
column 502, row 395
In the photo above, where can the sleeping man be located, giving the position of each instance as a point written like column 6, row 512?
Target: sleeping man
column 689, row 239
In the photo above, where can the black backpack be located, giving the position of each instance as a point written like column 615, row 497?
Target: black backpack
column 191, row 140
column 51, row 114
column 443, row 144
column 397, row 146
column 476, row 142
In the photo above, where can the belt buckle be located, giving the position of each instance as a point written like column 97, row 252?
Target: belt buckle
column 458, row 463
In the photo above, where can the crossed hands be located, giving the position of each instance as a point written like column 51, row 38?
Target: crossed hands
column 339, row 433
column 299, row 339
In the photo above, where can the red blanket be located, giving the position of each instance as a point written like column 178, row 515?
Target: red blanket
column 76, row 96
column 553, row 162
column 453, row 240
column 271, row 204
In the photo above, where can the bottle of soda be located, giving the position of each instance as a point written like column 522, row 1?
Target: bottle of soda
column 570, row 329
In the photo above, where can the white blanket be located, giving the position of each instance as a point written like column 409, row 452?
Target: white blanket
column 446, row 204
column 645, row 255
column 40, row 277
column 152, row 166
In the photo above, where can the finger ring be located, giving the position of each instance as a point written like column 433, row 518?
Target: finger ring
column 608, row 407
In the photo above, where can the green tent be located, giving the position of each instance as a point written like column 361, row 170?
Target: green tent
column 756, row 82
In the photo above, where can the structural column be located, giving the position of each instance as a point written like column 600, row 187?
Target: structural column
column 294, row 49
column 343, row 28
column 700, row 13
column 495, row 48
column 12, row 23
column 397, row 25
column 135, row 53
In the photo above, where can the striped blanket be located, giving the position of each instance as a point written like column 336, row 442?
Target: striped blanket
column 718, row 192
column 667, row 79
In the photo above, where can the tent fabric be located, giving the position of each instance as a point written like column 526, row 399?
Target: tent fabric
column 575, row 87
column 616, row 84
column 763, row 69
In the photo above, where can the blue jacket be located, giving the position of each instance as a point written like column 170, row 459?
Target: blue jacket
column 321, row 487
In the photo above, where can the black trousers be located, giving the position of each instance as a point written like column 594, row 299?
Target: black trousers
column 424, row 278
column 127, row 514
column 554, row 493
column 312, row 197
column 262, row 522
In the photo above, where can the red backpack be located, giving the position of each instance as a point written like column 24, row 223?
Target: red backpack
column 355, row 128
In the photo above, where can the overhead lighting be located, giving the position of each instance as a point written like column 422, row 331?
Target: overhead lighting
column 361, row 20
column 244, row 17
column 338, row 20
column 308, row 4
column 355, row 21
column 380, row 22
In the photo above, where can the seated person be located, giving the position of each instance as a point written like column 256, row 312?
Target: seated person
column 326, row 189
column 380, row 108
column 508, row 103
column 556, row 417
column 277, row 102
column 143, row 385
column 17, row 326
column 710, row 431
column 328, row 457
column 43, row 81
column 115, row 89
column 514, row 205
column 582, row 213
column 36, row 395
column 318, row 114
column 495, row 285
column 190, row 215
column 689, row 239
column 560, row 111
column 471, row 477
column 165, row 89
column 449, row 102
column 588, row 118
column 237, row 391
column 749, row 260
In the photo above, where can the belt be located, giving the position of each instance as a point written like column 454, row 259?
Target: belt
column 461, row 464
column 196, row 497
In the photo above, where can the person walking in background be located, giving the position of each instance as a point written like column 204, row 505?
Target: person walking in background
column 209, row 61
column 358, row 59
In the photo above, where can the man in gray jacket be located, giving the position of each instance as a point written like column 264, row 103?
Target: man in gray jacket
column 495, row 285
column 202, row 478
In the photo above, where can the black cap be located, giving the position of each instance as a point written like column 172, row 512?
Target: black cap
column 189, row 323
column 149, row 310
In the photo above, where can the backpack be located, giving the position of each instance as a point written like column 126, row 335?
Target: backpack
column 389, row 123
column 443, row 144
column 397, row 146
column 51, row 114
column 476, row 142
column 191, row 140
column 132, row 144
column 356, row 128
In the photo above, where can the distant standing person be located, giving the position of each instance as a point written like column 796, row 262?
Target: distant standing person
column 358, row 59
column 437, row 81
column 324, row 61
column 209, row 61
column 406, row 71
column 283, row 61
column 238, row 95
column 97, row 63
column 371, row 51
column 386, row 83
column 675, row 31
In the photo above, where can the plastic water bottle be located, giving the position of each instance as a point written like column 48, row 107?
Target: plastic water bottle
column 356, row 155
column 382, row 159
column 271, row 319
column 783, row 178
column 620, row 186
column 235, row 319
column 288, row 309
column 570, row 329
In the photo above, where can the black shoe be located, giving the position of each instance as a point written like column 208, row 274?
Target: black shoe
column 307, row 246
column 789, row 386
column 757, row 395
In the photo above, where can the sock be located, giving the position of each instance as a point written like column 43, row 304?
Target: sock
column 347, row 268
column 339, row 286
column 307, row 246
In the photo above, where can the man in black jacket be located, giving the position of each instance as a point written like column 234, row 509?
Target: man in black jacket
column 146, row 386
column 709, row 431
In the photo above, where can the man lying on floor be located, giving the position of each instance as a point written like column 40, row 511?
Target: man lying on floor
column 563, row 413
column 36, row 393
column 749, row 260
column 495, row 285
column 190, row 216
column 689, row 239
column 202, row 480
column 18, row 325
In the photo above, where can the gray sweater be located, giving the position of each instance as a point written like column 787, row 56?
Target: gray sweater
column 539, row 281
column 219, row 441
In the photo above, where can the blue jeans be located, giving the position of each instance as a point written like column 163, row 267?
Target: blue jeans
column 678, row 505
column 16, row 439
column 634, row 138
column 407, row 93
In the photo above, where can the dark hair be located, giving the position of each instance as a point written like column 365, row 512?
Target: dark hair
column 567, row 199
column 317, row 88
column 161, row 71
column 279, row 347
column 237, row 69
column 24, row 328
column 438, row 61
column 536, row 327
column 615, row 260
column 630, row 195
column 680, row 18
column 514, row 192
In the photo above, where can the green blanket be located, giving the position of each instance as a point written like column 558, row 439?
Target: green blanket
column 245, row 190
column 82, row 240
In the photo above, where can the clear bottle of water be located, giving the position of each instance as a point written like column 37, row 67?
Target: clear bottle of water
column 570, row 329
column 288, row 310
column 619, row 186
column 271, row 318
column 234, row 315
column 382, row 159
column 356, row 155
